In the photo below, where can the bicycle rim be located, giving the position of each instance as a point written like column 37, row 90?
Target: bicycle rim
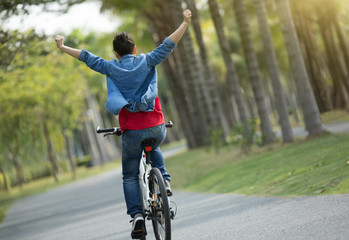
column 161, row 212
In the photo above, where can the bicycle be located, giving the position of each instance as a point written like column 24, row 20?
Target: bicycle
column 155, row 199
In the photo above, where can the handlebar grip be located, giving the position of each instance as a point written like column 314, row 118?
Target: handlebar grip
column 169, row 124
column 106, row 130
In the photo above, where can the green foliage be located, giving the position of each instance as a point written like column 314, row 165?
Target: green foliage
column 84, row 161
column 40, row 85
column 245, row 135
column 16, row 7
column 216, row 139
column 120, row 6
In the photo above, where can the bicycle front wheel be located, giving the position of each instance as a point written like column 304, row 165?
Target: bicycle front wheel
column 161, row 217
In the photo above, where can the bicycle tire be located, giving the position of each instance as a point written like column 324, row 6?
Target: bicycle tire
column 161, row 217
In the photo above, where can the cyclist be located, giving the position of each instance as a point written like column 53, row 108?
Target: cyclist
column 132, row 94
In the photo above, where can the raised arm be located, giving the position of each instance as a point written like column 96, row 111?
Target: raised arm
column 96, row 63
column 177, row 35
column 71, row 51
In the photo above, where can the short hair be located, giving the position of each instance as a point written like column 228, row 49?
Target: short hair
column 123, row 44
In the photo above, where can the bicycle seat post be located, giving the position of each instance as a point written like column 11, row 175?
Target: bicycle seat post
column 147, row 157
column 147, row 146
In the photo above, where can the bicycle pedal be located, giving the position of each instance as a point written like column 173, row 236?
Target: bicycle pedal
column 140, row 231
column 173, row 215
column 139, row 234
column 173, row 209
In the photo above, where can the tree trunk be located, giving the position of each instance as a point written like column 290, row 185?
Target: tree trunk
column 253, row 70
column 180, row 101
column 310, row 110
column 96, row 119
column 340, row 95
column 184, row 53
column 50, row 152
column 15, row 161
column 69, row 154
column 171, row 114
column 343, row 47
column 232, row 79
column 4, row 177
column 91, row 135
column 337, row 70
column 273, row 68
column 216, row 113
column 316, row 68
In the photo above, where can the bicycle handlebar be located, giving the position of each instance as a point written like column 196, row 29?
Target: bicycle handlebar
column 117, row 131
column 98, row 130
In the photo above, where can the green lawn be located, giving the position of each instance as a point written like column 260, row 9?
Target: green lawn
column 317, row 166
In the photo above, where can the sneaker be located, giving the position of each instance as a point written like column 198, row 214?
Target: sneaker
column 168, row 188
column 138, row 229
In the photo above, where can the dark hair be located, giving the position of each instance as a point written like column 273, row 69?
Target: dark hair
column 123, row 44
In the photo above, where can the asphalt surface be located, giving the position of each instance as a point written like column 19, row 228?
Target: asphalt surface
column 340, row 127
column 94, row 209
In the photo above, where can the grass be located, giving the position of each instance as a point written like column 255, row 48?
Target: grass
column 335, row 116
column 317, row 166
column 44, row 184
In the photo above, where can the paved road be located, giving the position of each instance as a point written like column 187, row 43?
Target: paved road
column 340, row 127
column 94, row 209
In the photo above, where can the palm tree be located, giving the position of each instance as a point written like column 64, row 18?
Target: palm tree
column 311, row 114
column 187, row 63
column 253, row 70
column 317, row 68
column 336, row 55
column 232, row 78
column 216, row 113
column 280, row 103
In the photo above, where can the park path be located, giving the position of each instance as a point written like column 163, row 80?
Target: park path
column 94, row 208
column 340, row 127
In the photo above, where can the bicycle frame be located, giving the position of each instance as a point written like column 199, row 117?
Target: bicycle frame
column 144, row 172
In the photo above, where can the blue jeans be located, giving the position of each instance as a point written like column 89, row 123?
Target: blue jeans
column 131, row 156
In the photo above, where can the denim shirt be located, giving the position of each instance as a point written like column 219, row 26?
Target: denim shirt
column 131, row 81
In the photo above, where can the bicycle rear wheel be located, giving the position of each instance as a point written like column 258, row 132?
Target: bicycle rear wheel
column 161, row 217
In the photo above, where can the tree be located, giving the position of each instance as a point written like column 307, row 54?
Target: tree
column 280, row 102
column 40, row 98
column 232, row 79
column 337, row 54
column 216, row 114
column 310, row 110
column 313, row 57
column 253, row 70
column 191, row 75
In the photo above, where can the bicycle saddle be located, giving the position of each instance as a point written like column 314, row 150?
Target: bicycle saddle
column 148, row 142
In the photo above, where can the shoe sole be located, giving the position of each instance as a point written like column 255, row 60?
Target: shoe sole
column 139, row 230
